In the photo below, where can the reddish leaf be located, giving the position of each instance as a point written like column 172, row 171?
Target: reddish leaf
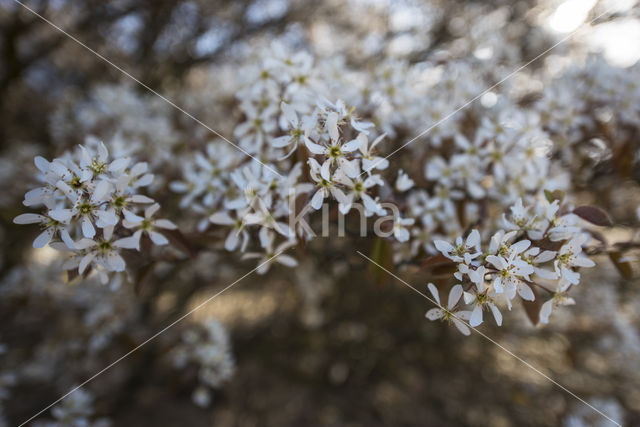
column 623, row 267
column 142, row 278
column 178, row 240
column 435, row 260
column 532, row 308
column 599, row 237
column 594, row 215
column 548, row 245
column 444, row 270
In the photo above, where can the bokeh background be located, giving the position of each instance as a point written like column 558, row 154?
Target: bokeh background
column 326, row 343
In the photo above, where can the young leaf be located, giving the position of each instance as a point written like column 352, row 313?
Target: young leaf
column 143, row 277
column 435, row 261
column 594, row 215
column 71, row 277
column 382, row 254
column 548, row 245
column 554, row 195
column 623, row 267
column 532, row 308
column 178, row 240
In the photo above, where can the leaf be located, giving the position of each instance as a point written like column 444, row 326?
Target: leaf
column 382, row 254
column 548, row 245
column 444, row 270
column 532, row 308
column 623, row 267
column 599, row 237
column 71, row 277
column 594, row 215
column 554, row 195
column 435, row 260
column 178, row 240
column 439, row 266
column 142, row 278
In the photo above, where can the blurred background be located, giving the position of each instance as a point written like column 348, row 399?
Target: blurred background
column 326, row 343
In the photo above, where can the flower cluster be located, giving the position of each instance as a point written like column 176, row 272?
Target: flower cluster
column 93, row 209
column 540, row 247
column 591, row 111
column 132, row 123
column 74, row 410
column 309, row 152
column 505, row 158
column 343, row 162
column 207, row 347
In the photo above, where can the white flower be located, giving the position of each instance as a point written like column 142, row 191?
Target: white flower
column 403, row 182
column 253, row 132
column 326, row 187
column 75, row 409
column 98, row 164
column 534, row 257
column 369, row 160
column 449, row 314
column 238, row 233
column 462, row 251
column 520, row 218
column 50, row 226
column 479, row 299
column 400, row 231
column 89, row 209
column 271, row 255
column 201, row 397
column 207, row 347
column 437, row 169
column 564, row 227
column 122, row 202
column 559, row 298
column 500, row 242
column 510, row 273
column 345, row 114
column 335, row 151
column 357, row 190
column 267, row 220
column 570, row 255
column 85, row 190
column 298, row 129
column 139, row 175
column 147, row 225
column 103, row 252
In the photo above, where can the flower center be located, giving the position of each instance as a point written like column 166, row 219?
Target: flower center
column 97, row 167
column 335, row 151
column 564, row 258
column 482, row 299
column 119, row 202
column 104, row 246
column 85, row 208
column 75, row 182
